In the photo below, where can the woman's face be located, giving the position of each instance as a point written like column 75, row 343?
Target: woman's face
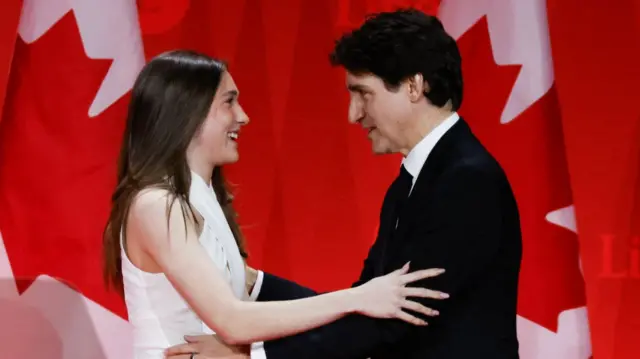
column 216, row 143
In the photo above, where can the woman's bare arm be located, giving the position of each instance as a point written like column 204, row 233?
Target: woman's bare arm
column 182, row 259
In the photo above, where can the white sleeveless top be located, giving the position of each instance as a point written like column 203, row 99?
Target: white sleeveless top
column 158, row 314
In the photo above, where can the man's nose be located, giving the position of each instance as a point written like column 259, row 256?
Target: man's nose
column 356, row 113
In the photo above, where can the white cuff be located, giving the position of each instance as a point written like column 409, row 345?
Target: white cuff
column 253, row 296
column 257, row 350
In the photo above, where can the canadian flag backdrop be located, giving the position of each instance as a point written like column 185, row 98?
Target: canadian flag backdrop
column 549, row 88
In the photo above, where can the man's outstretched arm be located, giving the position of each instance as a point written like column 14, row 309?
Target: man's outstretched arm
column 460, row 232
column 272, row 288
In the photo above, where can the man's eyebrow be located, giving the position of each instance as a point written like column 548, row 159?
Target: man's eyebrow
column 356, row 88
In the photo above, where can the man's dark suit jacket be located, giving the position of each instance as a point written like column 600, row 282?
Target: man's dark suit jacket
column 460, row 216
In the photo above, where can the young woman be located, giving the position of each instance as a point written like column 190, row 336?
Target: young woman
column 172, row 244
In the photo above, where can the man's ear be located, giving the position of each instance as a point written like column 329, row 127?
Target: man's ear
column 417, row 87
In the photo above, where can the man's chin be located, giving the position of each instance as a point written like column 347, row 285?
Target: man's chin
column 380, row 152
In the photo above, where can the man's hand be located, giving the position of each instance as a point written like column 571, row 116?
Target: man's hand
column 251, row 277
column 207, row 347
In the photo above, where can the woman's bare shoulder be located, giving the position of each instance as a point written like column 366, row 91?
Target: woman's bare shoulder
column 157, row 219
column 150, row 204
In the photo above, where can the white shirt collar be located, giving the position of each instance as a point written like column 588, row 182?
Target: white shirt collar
column 418, row 155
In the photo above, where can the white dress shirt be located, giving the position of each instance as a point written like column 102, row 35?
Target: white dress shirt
column 413, row 163
column 418, row 155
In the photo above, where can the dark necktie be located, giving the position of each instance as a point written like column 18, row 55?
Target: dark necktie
column 402, row 190
column 399, row 194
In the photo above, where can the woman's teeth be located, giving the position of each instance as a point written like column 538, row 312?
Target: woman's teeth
column 233, row 135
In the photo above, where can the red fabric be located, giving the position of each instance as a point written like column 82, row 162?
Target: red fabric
column 308, row 189
column 530, row 149
column 9, row 17
column 308, row 186
column 57, row 176
column 596, row 52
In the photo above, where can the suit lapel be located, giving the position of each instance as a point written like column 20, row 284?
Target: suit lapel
column 386, row 230
column 441, row 155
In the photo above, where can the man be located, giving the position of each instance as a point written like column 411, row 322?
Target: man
column 450, row 207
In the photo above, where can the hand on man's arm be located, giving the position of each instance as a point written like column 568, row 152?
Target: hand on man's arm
column 458, row 230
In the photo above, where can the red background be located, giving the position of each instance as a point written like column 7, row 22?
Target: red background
column 309, row 191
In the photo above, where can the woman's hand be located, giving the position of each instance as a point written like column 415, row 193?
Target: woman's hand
column 206, row 347
column 386, row 296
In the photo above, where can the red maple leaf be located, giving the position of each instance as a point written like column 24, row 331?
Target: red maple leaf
column 531, row 150
column 58, row 165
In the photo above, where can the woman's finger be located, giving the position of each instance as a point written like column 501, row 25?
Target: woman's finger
column 423, row 293
column 419, row 308
column 403, row 270
column 421, row 274
column 180, row 349
column 410, row 318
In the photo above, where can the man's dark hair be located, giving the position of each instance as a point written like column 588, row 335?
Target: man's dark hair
column 399, row 44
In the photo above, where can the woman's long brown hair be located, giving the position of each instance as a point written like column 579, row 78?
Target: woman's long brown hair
column 169, row 102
